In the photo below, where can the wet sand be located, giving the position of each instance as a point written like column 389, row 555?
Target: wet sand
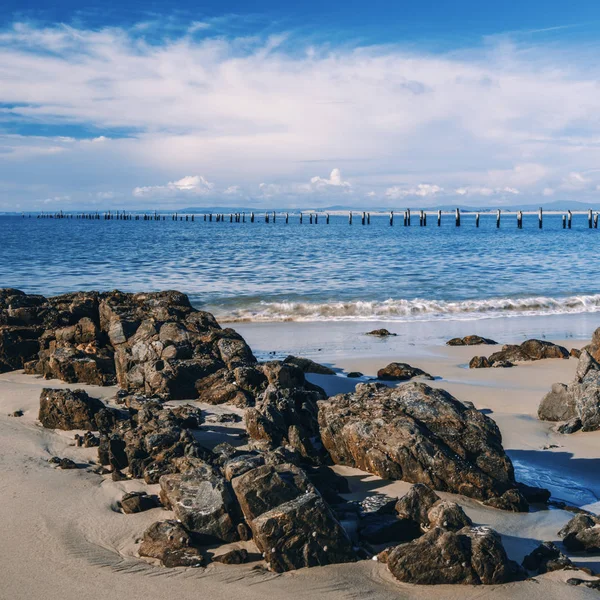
column 63, row 538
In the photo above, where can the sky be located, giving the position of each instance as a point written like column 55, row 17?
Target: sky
column 266, row 103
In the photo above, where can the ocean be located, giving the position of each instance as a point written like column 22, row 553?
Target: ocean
column 302, row 272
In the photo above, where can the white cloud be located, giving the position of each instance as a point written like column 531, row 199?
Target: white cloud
column 422, row 190
column 548, row 191
column 499, row 119
column 190, row 184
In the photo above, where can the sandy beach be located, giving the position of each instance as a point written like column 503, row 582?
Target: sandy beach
column 64, row 538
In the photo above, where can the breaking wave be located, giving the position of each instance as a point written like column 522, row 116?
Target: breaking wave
column 409, row 310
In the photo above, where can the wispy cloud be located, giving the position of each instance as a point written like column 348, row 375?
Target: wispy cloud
column 252, row 113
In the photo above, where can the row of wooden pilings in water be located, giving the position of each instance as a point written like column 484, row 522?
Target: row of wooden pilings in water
column 313, row 217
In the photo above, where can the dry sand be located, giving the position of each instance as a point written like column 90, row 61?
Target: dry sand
column 62, row 538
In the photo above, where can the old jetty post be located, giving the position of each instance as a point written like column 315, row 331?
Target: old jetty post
column 364, row 216
column 420, row 218
column 405, row 218
column 408, row 214
column 310, row 219
column 458, row 217
column 590, row 218
column 519, row 220
column 424, row 219
column 564, row 219
column 327, row 218
column 569, row 218
column 274, row 216
column 540, row 218
column 498, row 219
column 316, row 218
column 439, row 218
column 350, row 218
column 368, row 218
column 287, row 218
column 391, row 218
column 477, row 220
column 300, row 218
column 596, row 221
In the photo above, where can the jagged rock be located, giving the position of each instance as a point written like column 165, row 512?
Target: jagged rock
column 418, row 434
column 241, row 464
column 575, row 352
column 237, row 556
column 380, row 333
column 545, row 558
column 473, row 555
column 301, row 533
column 471, row 340
column 448, row 515
column 582, row 533
column 202, row 500
column 354, row 374
column 308, row 366
column 136, row 502
column 401, row 372
column 87, row 440
column 534, row 495
column 68, row 409
column 286, row 414
column 527, row 351
column 169, row 542
column 479, row 362
column 290, row 522
column 502, row 364
column 593, row 584
column 578, row 403
column 416, row 503
column 512, row 500
column 593, row 348
column 17, row 413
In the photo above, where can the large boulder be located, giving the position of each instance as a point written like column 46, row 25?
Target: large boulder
column 169, row 542
column 401, row 372
column 419, row 434
column 68, row 409
column 291, row 523
column 546, row 558
column 308, row 366
column 472, row 556
column 203, row 502
column 593, row 348
column 578, row 402
column 471, row 340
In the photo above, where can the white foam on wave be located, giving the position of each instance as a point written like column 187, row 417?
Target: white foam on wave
column 411, row 310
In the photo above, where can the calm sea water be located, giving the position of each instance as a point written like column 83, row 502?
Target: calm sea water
column 259, row 271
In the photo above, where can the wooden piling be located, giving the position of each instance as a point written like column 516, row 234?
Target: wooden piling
column 368, row 218
column 498, row 219
column 477, row 220
column 364, row 216
column 569, row 218
column 420, row 218
column 327, row 218
column 408, row 216
column 541, row 218
column 391, row 218
column 350, row 218
column 596, row 221
column 300, row 218
column 310, row 219
column 564, row 221
column 439, row 218
column 519, row 220
column 457, row 218
column 287, row 218
column 590, row 218
column 405, row 219
column 424, row 219
column 316, row 219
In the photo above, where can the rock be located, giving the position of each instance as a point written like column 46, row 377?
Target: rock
column 578, row 403
column 136, row 502
column 594, row 347
column 63, row 463
column 380, row 333
column 471, row 340
column 202, row 500
column 593, row 584
column 473, row 555
column 17, row 413
column 576, row 353
column 448, row 515
column 416, row 503
column 479, row 362
column 301, row 533
column 582, row 533
column 354, row 375
column 401, row 372
column 87, row 440
column 169, row 542
column 534, row 495
column 512, row 500
column 419, row 434
column 308, row 366
column 286, row 414
column 68, row 409
column 527, row 351
column 502, row 364
column 545, row 558
column 241, row 464
column 237, row 556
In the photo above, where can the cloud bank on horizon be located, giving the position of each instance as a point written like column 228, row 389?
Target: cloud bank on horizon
column 114, row 117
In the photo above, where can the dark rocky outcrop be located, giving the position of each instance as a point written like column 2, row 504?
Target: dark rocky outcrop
column 401, row 372
column 479, row 362
column 237, row 556
column 203, row 502
column 63, row 463
column 169, row 542
column 582, row 533
column 578, row 403
column 421, row 435
column 545, row 558
column 471, row 340
column 286, row 414
column 291, row 523
column 593, row 348
column 472, row 555
column 68, row 409
column 308, row 366
column 527, row 351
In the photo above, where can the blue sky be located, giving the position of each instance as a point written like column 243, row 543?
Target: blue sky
column 376, row 103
